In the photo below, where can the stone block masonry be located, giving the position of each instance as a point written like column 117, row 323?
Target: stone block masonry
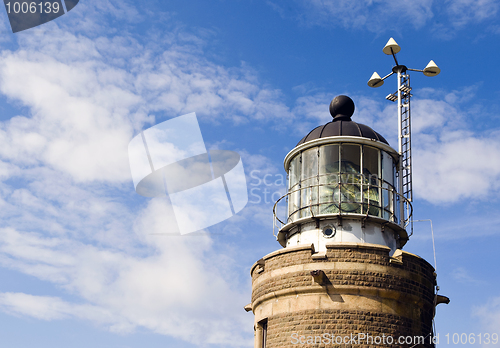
column 357, row 289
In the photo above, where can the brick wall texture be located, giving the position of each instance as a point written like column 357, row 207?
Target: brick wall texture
column 409, row 281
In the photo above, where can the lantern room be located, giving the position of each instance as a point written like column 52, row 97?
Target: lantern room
column 342, row 187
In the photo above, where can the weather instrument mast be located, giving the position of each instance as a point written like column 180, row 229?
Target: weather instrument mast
column 402, row 96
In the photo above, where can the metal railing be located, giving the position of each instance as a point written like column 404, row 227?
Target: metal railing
column 344, row 198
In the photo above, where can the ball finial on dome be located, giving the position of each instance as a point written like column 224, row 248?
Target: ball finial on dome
column 342, row 108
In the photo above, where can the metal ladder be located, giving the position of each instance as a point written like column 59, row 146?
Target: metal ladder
column 404, row 172
column 406, row 137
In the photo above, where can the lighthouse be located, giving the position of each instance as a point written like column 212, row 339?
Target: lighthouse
column 341, row 276
column 341, row 184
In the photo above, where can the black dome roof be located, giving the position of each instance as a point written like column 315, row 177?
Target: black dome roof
column 339, row 128
column 342, row 108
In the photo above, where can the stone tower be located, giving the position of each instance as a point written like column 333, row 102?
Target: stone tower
column 341, row 277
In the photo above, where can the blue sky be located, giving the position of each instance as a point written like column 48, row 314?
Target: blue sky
column 86, row 262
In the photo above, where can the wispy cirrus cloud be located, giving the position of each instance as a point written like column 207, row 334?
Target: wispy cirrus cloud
column 85, row 106
column 489, row 315
column 367, row 14
column 69, row 213
column 379, row 16
column 165, row 284
column 463, row 12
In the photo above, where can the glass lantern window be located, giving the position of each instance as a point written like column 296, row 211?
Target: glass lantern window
column 371, row 165
column 309, row 163
column 294, row 188
column 350, row 160
column 294, row 172
column 309, row 182
column 371, row 182
column 329, row 169
column 387, row 168
column 342, row 178
column 388, row 192
column 348, row 193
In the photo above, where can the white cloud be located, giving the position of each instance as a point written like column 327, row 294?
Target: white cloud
column 167, row 283
column 69, row 213
column 79, row 123
column 314, row 107
column 489, row 315
column 461, row 275
column 367, row 14
column 451, row 162
column 383, row 15
column 49, row 308
column 457, row 167
column 462, row 12
column 182, row 82
column 85, row 110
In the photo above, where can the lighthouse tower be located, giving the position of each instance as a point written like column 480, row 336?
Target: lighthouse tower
column 341, row 277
